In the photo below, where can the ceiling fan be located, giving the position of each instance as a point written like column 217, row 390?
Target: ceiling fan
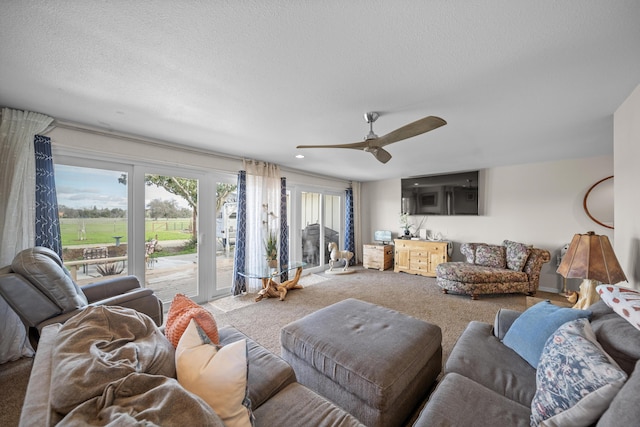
column 373, row 143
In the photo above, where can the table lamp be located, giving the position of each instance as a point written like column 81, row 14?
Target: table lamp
column 590, row 257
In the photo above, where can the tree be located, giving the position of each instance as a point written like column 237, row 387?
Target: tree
column 163, row 209
column 187, row 189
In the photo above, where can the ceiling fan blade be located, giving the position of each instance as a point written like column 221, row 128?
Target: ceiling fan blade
column 408, row 131
column 381, row 154
column 357, row 145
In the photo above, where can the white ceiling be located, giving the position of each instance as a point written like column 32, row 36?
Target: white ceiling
column 518, row 81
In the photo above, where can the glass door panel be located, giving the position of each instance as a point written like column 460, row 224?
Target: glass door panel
column 226, row 209
column 311, row 239
column 332, row 222
column 171, row 236
column 93, row 209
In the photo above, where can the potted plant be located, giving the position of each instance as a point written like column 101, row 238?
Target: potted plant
column 405, row 226
column 271, row 249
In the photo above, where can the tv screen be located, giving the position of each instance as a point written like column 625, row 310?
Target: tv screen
column 445, row 194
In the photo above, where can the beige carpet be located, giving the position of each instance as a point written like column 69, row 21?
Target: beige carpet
column 416, row 296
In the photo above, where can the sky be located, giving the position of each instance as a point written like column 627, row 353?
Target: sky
column 79, row 188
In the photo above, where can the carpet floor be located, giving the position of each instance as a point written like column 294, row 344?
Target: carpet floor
column 415, row 296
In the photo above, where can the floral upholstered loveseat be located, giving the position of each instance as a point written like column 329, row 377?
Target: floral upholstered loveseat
column 493, row 269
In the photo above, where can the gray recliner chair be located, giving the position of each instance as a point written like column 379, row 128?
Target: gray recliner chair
column 40, row 290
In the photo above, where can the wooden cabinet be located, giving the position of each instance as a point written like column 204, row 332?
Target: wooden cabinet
column 419, row 256
column 379, row 257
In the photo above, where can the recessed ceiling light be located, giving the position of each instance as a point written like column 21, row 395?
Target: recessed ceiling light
column 299, row 156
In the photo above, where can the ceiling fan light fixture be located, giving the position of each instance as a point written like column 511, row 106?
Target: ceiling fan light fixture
column 371, row 117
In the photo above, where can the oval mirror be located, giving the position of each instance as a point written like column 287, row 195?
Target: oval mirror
column 598, row 202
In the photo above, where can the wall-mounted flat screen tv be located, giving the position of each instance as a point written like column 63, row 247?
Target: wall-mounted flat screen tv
column 444, row 194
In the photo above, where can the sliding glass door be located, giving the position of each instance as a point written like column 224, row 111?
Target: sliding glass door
column 171, row 235
column 171, row 227
column 318, row 217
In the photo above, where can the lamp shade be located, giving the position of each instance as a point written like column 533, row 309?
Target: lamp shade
column 590, row 256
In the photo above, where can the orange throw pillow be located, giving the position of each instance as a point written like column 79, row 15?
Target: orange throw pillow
column 181, row 311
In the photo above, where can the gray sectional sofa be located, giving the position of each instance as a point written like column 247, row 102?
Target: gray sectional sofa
column 486, row 383
column 275, row 397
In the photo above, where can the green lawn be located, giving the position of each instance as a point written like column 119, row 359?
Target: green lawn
column 101, row 231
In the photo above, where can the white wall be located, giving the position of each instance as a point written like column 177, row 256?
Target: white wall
column 103, row 146
column 626, row 143
column 539, row 204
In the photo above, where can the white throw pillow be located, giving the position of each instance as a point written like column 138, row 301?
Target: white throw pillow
column 624, row 301
column 216, row 374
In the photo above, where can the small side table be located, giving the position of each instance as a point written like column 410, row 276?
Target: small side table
column 379, row 257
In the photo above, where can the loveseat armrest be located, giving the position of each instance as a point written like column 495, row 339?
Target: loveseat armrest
column 503, row 321
column 111, row 287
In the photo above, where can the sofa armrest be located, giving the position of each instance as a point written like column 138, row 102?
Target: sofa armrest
column 141, row 300
column 36, row 410
column 110, row 287
column 503, row 321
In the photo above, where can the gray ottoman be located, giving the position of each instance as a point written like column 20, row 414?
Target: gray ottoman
column 376, row 363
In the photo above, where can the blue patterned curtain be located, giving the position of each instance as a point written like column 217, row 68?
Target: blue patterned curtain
column 47, row 221
column 284, row 231
column 349, row 235
column 239, row 285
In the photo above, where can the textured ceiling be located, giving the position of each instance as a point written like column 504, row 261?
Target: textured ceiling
column 518, row 81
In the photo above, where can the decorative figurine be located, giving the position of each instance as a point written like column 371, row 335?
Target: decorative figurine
column 336, row 255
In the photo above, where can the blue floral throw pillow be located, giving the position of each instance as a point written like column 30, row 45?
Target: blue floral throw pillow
column 576, row 379
column 529, row 332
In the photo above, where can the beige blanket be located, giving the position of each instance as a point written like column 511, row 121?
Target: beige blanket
column 145, row 400
column 101, row 345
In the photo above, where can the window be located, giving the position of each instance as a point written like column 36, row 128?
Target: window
column 93, row 209
column 157, row 223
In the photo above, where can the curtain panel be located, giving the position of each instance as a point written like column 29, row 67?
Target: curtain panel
column 17, row 180
column 47, row 222
column 262, row 213
column 284, row 231
column 349, row 237
column 239, row 286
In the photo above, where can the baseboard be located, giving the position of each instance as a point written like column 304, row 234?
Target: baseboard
column 550, row 290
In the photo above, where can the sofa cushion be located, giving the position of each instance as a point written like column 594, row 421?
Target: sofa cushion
column 517, row 254
column 181, row 311
column 623, row 300
column 624, row 409
column 43, row 268
column 481, row 357
column 451, row 403
column 616, row 336
column 469, row 251
column 491, row 256
column 217, row 375
column 472, row 273
column 530, row 331
column 576, row 380
column 268, row 373
column 300, row 406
